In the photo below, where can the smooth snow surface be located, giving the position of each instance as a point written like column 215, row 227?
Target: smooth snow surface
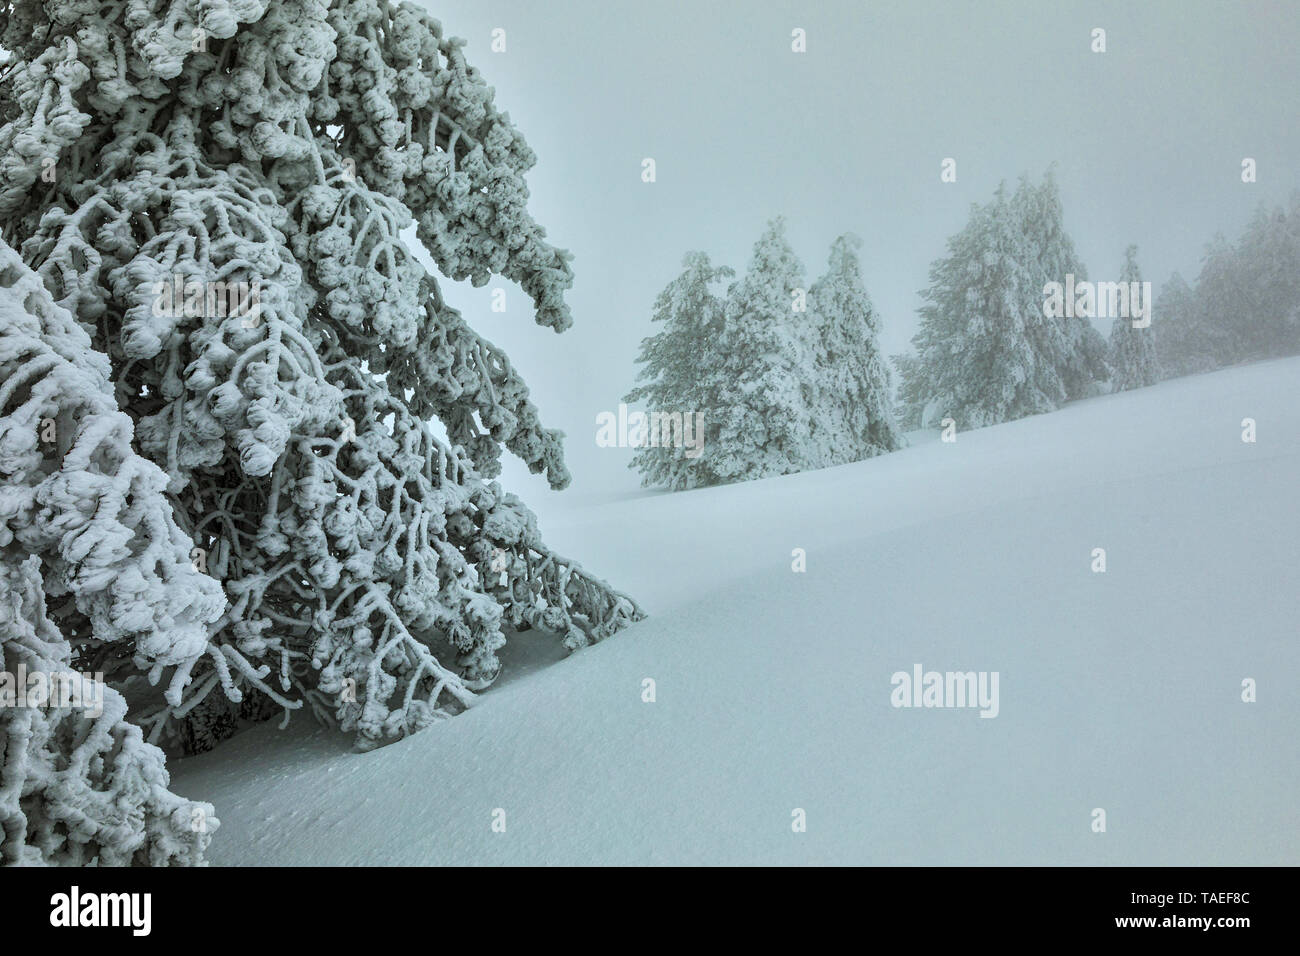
column 1119, row 690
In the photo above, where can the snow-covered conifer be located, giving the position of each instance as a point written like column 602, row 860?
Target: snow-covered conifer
column 766, row 375
column 913, row 390
column 231, row 180
column 852, row 401
column 988, row 350
column 1069, row 343
column 1132, row 350
column 975, row 353
column 1178, row 328
column 680, row 370
column 1224, row 300
column 1269, row 257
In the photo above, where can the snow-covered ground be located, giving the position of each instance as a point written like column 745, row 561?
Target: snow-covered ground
column 1119, row 691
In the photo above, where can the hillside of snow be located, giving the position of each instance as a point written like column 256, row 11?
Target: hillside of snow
column 1120, row 690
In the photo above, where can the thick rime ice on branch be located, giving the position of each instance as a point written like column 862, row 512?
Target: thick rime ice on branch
column 73, row 491
column 84, row 523
column 282, row 147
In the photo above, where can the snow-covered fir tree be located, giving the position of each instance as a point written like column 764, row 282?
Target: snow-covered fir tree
column 1223, row 298
column 1069, row 343
column 987, row 351
column 975, row 359
column 215, row 193
column 679, row 374
column 1193, row 325
column 913, row 391
column 1269, row 256
column 1132, row 350
column 1176, row 324
column 764, row 381
column 853, row 415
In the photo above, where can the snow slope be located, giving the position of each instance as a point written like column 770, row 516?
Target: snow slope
column 1119, row 690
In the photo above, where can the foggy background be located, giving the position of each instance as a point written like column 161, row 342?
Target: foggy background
column 1148, row 139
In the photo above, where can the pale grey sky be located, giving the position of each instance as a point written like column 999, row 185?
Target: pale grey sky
column 1148, row 138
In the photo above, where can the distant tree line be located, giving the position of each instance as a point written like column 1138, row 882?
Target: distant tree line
column 1245, row 305
column 790, row 378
